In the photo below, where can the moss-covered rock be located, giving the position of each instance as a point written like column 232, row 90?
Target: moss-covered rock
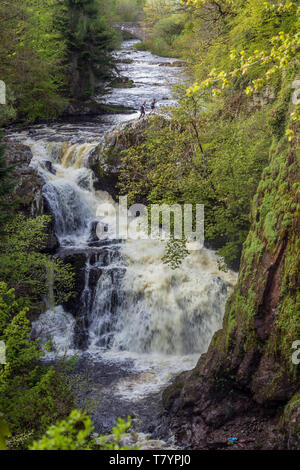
column 106, row 161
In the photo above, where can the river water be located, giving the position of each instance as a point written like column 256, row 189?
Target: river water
column 138, row 323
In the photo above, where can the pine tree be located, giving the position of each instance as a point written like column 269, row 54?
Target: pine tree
column 89, row 43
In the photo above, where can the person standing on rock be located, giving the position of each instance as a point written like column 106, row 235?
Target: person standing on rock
column 153, row 106
column 143, row 110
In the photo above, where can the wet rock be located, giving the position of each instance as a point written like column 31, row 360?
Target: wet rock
column 93, row 108
column 125, row 61
column 77, row 259
column 126, row 135
column 49, row 167
column 106, row 160
column 94, row 237
column 28, row 187
column 177, row 63
column 80, row 303
column 291, row 423
column 122, row 82
column 74, row 305
column 271, row 383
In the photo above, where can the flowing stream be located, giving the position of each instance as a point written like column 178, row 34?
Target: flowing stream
column 138, row 323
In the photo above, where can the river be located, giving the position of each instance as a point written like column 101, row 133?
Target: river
column 139, row 323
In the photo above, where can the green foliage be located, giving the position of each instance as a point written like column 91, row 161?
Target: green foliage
column 216, row 143
column 263, row 40
column 176, row 252
column 4, row 433
column 275, row 221
column 8, row 112
column 31, row 396
column 169, row 28
column 166, row 24
column 114, row 442
column 89, row 41
column 25, row 268
column 129, row 10
column 31, row 54
column 154, row 10
column 200, row 157
column 75, row 433
column 51, row 50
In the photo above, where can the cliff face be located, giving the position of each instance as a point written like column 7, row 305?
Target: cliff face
column 28, row 188
column 246, row 385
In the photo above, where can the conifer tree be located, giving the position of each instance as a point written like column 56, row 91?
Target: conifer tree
column 89, row 42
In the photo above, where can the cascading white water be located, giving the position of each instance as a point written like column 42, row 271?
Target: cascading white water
column 169, row 311
column 57, row 326
column 139, row 304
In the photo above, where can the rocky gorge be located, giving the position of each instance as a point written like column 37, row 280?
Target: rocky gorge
column 245, row 385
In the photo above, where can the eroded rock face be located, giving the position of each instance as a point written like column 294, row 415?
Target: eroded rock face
column 106, row 160
column 28, row 189
column 93, row 108
column 246, row 384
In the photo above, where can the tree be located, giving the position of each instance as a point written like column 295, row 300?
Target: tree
column 6, row 186
column 89, row 42
column 156, row 9
column 169, row 28
column 129, row 10
column 31, row 396
column 256, row 70
column 26, row 269
column 31, row 54
column 199, row 157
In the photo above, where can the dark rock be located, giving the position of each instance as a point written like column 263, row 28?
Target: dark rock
column 49, row 167
column 81, row 302
column 77, row 259
column 105, row 161
column 122, row 82
column 177, row 63
column 28, row 187
column 93, row 108
column 125, row 61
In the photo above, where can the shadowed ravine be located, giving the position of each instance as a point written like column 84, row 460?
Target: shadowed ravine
column 136, row 323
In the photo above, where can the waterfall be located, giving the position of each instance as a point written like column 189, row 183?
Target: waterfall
column 57, row 327
column 137, row 303
column 167, row 311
